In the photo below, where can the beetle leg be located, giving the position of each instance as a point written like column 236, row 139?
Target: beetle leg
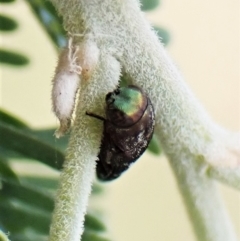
column 95, row 116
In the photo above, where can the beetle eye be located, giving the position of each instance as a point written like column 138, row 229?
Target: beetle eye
column 110, row 100
column 108, row 96
column 117, row 91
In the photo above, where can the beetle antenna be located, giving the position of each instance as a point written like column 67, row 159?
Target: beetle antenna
column 95, row 116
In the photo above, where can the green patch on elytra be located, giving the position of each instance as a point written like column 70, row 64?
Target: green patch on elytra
column 129, row 101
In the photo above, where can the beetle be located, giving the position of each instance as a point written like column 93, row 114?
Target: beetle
column 128, row 129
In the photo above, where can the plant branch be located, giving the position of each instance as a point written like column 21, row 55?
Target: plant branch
column 188, row 136
column 79, row 167
column 228, row 176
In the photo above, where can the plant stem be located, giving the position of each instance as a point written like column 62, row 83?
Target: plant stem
column 203, row 203
column 228, row 176
column 184, row 129
column 79, row 167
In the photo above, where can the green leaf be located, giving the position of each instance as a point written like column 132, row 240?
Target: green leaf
column 51, row 183
column 93, row 223
column 49, row 19
column 44, row 135
column 24, row 236
column 47, row 136
column 6, row 172
column 163, row 34
column 7, row 1
column 149, row 4
column 12, row 58
column 9, row 154
column 7, row 23
column 97, row 188
column 41, row 182
column 92, row 236
column 30, row 195
column 154, row 146
column 23, row 142
column 11, row 119
column 35, row 199
column 15, row 218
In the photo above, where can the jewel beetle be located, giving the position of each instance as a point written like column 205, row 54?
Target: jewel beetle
column 128, row 129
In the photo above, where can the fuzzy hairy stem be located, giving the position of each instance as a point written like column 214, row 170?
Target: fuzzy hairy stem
column 226, row 175
column 188, row 136
column 79, row 167
column 203, row 203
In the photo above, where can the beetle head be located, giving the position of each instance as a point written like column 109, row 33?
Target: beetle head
column 125, row 106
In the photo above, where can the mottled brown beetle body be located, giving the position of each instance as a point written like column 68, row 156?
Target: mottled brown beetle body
column 128, row 129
